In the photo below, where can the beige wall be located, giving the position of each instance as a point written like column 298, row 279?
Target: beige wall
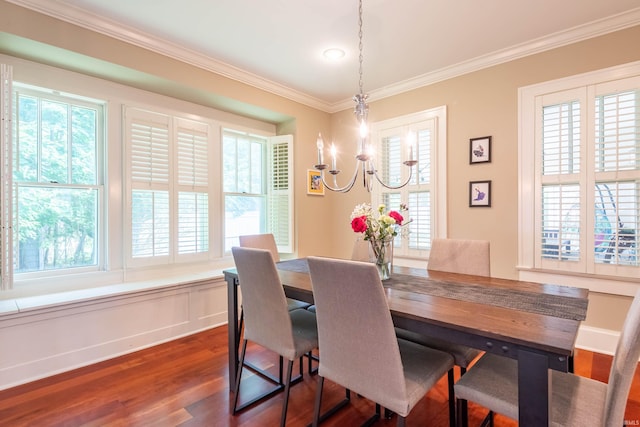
column 485, row 103
column 479, row 104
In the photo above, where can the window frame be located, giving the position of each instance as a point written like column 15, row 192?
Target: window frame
column 99, row 185
column 530, row 266
column 277, row 194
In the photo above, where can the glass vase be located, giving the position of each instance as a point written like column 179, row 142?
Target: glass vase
column 381, row 254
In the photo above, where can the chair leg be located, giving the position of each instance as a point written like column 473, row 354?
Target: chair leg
column 452, row 398
column 401, row 421
column 318, row 402
column 461, row 421
column 240, row 325
column 287, row 386
column 462, row 406
column 236, row 388
column 488, row 420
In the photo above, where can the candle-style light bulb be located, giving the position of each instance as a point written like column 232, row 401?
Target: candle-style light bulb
column 320, row 145
column 333, row 157
column 410, row 137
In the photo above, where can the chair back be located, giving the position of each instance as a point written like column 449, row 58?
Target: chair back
column 623, row 367
column 267, row 320
column 356, row 337
column 360, row 250
column 261, row 241
column 460, row 256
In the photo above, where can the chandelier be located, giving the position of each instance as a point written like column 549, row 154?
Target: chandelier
column 365, row 157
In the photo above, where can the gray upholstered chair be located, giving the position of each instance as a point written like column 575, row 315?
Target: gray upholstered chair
column 359, row 252
column 575, row 401
column 267, row 241
column 358, row 346
column 461, row 256
column 455, row 256
column 268, row 321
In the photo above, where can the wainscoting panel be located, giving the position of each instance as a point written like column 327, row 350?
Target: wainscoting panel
column 37, row 343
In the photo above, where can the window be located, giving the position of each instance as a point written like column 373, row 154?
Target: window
column 585, row 140
column 257, row 186
column 168, row 171
column 422, row 137
column 58, row 184
column 94, row 193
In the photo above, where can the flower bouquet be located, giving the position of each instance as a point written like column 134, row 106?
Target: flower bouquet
column 379, row 230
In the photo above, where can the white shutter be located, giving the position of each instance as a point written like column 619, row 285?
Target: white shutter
column 617, row 142
column 617, row 181
column 148, row 172
column 562, row 211
column 390, row 160
column 280, row 191
column 397, row 141
column 420, row 228
column 193, row 184
column 6, row 169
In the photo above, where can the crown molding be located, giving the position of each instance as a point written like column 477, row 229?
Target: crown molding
column 130, row 35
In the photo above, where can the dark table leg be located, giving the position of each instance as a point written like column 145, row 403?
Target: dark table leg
column 534, row 389
column 232, row 313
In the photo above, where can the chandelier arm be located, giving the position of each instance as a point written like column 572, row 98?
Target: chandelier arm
column 394, row 187
column 367, row 182
column 336, row 188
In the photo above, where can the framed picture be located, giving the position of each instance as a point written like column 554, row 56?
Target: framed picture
column 314, row 183
column 480, row 150
column 479, row 194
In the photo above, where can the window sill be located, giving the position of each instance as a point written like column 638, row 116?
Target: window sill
column 600, row 284
column 27, row 299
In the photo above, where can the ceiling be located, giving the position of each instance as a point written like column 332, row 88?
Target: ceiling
column 277, row 45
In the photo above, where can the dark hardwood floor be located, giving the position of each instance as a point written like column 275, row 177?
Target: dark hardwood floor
column 184, row 382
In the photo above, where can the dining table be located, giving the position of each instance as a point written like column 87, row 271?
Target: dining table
column 536, row 324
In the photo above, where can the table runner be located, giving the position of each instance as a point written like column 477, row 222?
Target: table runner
column 546, row 304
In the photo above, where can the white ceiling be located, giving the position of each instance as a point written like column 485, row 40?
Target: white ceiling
column 277, row 45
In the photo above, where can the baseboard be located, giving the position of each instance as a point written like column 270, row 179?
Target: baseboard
column 597, row 340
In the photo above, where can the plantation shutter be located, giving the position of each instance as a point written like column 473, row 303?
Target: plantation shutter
column 148, row 156
column 617, row 186
column 396, row 144
column 280, row 191
column 193, row 184
column 561, row 190
column 6, row 169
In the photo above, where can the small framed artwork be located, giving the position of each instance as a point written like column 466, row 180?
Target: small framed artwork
column 480, row 194
column 314, row 183
column 480, row 150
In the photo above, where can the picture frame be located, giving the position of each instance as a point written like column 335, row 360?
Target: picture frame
column 480, row 194
column 480, row 150
column 314, row 183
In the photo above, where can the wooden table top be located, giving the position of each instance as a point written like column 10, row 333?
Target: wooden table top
column 490, row 323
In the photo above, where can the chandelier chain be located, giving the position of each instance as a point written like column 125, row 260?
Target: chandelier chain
column 365, row 157
column 360, row 44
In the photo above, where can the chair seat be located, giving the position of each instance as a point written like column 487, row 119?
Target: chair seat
column 462, row 354
column 294, row 304
column 305, row 331
column 418, row 380
column 493, row 383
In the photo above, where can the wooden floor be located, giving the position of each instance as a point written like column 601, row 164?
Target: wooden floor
column 185, row 383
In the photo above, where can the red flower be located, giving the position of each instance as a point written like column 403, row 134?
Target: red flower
column 359, row 224
column 396, row 215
